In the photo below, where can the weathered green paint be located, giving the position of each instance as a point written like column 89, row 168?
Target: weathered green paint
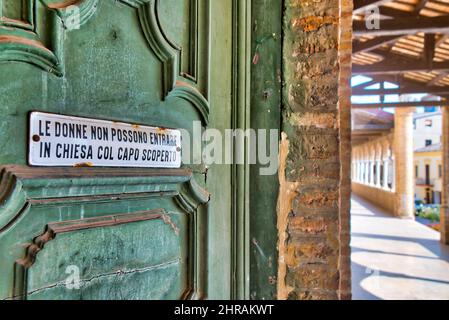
column 120, row 65
column 240, row 173
column 35, row 199
column 219, row 176
column 266, row 78
column 121, row 255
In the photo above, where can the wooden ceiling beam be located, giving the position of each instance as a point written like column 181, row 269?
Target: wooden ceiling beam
column 365, row 116
column 365, row 84
column 373, row 43
column 438, row 78
column 397, row 79
column 429, row 49
column 421, row 4
column 404, row 26
column 361, row 5
column 443, row 74
column 398, row 65
column 434, row 90
column 364, row 133
column 373, row 127
column 394, row 13
column 442, row 40
column 442, row 103
column 405, row 84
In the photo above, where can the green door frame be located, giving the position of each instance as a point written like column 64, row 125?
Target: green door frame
column 257, row 102
column 265, row 107
column 240, row 173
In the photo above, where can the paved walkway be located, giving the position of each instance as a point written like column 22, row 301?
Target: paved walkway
column 394, row 258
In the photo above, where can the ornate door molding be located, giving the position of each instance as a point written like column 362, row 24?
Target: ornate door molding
column 24, row 189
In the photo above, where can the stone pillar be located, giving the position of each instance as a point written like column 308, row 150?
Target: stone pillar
column 354, row 170
column 367, row 171
column 393, row 174
column 367, row 168
column 403, row 154
column 378, row 174
column 371, row 172
column 363, row 172
column 386, row 173
column 359, row 170
column 445, row 185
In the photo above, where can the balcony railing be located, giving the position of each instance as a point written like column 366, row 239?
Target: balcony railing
column 424, row 182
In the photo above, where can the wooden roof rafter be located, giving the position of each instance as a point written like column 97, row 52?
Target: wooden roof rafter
column 421, row 4
column 381, row 105
column 403, row 26
column 412, row 44
column 362, row 5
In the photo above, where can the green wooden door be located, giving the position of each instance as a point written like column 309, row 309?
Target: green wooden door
column 123, row 233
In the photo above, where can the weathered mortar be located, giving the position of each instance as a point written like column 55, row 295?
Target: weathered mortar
column 314, row 177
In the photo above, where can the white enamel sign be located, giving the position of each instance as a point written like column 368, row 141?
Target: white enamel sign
column 57, row 140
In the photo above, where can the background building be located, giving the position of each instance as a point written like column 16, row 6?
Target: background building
column 427, row 136
column 428, row 174
column 427, row 129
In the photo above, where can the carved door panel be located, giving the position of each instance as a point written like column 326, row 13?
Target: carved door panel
column 114, row 233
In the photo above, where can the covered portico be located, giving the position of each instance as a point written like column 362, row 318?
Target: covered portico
column 383, row 161
column 405, row 55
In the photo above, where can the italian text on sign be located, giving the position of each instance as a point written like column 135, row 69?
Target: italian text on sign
column 57, row 140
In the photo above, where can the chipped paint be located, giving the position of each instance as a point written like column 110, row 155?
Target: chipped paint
column 161, row 130
column 64, row 4
column 167, row 220
column 84, row 165
column 259, row 249
column 313, row 23
column 24, row 41
column 180, row 84
column 287, row 192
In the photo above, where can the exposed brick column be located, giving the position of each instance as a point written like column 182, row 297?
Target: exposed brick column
column 403, row 151
column 445, row 192
column 315, row 159
column 344, row 106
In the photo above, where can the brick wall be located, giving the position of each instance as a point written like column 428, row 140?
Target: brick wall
column 313, row 209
